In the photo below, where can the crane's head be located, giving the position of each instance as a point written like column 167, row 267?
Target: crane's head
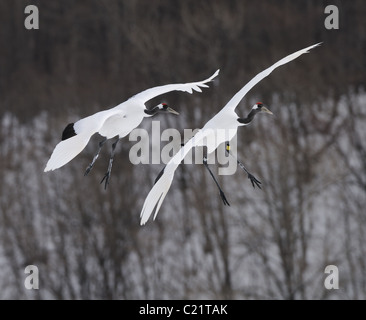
column 162, row 107
column 257, row 108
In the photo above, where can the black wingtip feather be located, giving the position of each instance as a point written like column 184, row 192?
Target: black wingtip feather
column 68, row 131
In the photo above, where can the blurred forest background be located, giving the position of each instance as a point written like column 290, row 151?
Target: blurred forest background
column 89, row 55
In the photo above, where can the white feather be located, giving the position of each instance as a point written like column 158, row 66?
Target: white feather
column 67, row 150
column 185, row 87
column 157, row 194
column 233, row 103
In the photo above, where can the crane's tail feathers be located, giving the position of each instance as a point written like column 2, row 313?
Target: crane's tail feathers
column 156, row 197
column 67, row 150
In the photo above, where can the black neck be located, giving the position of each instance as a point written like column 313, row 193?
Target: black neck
column 153, row 111
column 249, row 118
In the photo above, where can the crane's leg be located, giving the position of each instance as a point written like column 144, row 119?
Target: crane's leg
column 162, row 171
column 254, row 180
column 108, row 174
column 159, row 175
column 90, row 166
column 222, row 195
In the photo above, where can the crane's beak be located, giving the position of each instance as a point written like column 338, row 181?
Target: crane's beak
column 172, row 111
column 264, row 109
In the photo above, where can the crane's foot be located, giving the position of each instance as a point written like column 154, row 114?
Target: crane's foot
column 223, row 198
column 106, row 178
column 88, row 169
column 90, row 166
column 254, row 181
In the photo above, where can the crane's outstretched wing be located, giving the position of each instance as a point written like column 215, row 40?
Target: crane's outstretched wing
column 233, row 103
column 161, row 187
column 148, row 94
column 74, row 143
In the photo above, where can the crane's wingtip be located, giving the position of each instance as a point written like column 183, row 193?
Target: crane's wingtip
column 313, row 46
column 216, row 73
column 213, row 76
column 143, row 221
column 50, row 167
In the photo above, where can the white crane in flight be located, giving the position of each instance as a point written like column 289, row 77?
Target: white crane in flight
column 115, row 122
column 211, row 136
